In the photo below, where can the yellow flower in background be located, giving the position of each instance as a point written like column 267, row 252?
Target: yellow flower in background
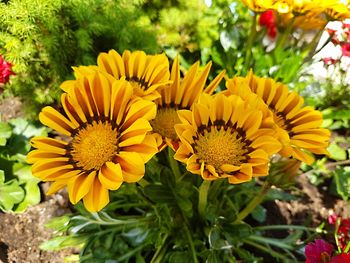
column 106, row 140
column 146, row 73
column 338, row 11
column 221, row 138
column 258, row 5
column 298, row 126
column 309, row 21
column 181, row 94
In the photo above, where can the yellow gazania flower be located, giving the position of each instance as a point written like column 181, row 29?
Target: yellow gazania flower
column 309, row 21
column 337, row 11
column 258, row 5
column 146, row 73
column 221, row 138
column 298, row 127
column 106, row 140
column 181, row 94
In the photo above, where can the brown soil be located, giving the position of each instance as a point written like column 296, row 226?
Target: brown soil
column 21, row 234
column 10, row 108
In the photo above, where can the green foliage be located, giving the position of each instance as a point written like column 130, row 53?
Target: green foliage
column 18, row 188
column 161, row 221
column 43, row 39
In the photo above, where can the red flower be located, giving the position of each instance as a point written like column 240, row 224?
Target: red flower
column 267, row 19
column 345, row 49
column 318, row 252
column 343, row 234
column 342, row 258
column 327, row 62
column 5, row 71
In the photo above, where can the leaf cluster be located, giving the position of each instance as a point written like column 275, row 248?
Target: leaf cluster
column 43, row 39
column 18, row 188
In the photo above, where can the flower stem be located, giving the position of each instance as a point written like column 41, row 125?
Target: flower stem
column 193, row 250
column 174, row 165
column 158, row 256
column 203, row 197
column 250, row 41
column 283, row 38
column 254, row 202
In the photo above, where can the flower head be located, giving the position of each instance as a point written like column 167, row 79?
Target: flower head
column 5, row 71
column 268, row 20
column 221, row 138
column 298, row 127
column 258, row 5
column 180, row 94
column 318, row 252
column 106, row 140
column 146, row 73
column 341, row 258
column 345, row 49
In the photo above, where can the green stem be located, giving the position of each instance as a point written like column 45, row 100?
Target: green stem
column 292, row 227
column 267, row 250
column 189, row 237
column 250, row 41
column 158, row 256
column 174, row 165
column 271, row 241
column 143, row 182
column 203, row 198
column 254, row 202
column 283, row 38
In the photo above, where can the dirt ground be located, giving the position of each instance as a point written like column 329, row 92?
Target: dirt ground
column 21, row 234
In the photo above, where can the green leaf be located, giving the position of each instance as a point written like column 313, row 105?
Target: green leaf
column 337, row 153
column 24, row 128
column 5, row 133
column 60, row 242
column 342, row 181
column 159, row 194
column 2, row 177
column 58, row 223
column 259, row 214
column 32, row 196
column 10, row 194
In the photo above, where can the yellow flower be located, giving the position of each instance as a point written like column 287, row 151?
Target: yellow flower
column 146, row 73
column 309, row 21
column 106, row 140
column 337, row 11
column 298, row 127
column 221, row 138
column 181, row 94
column 258, row 5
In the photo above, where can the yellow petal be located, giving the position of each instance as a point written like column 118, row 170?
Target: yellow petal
column 56, row 186
column 132, row 166
column 147, row 149
column 97, row 197
column 111, row 176
column 55, row 120
column 79, row 186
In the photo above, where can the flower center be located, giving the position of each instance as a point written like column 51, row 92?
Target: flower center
column 218, row 147
column 94, row 145
column 164, row 122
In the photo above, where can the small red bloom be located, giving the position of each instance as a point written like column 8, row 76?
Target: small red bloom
column 5, row 71
column 329, row 61
column 342, row 258
column 272, row 31
column 268, row 20
column 343, row 234
column 318, row 252
column 345, row 49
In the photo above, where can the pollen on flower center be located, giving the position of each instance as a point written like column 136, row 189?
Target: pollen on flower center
column 94, row 145
column 164, row 122
column 218, row 147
